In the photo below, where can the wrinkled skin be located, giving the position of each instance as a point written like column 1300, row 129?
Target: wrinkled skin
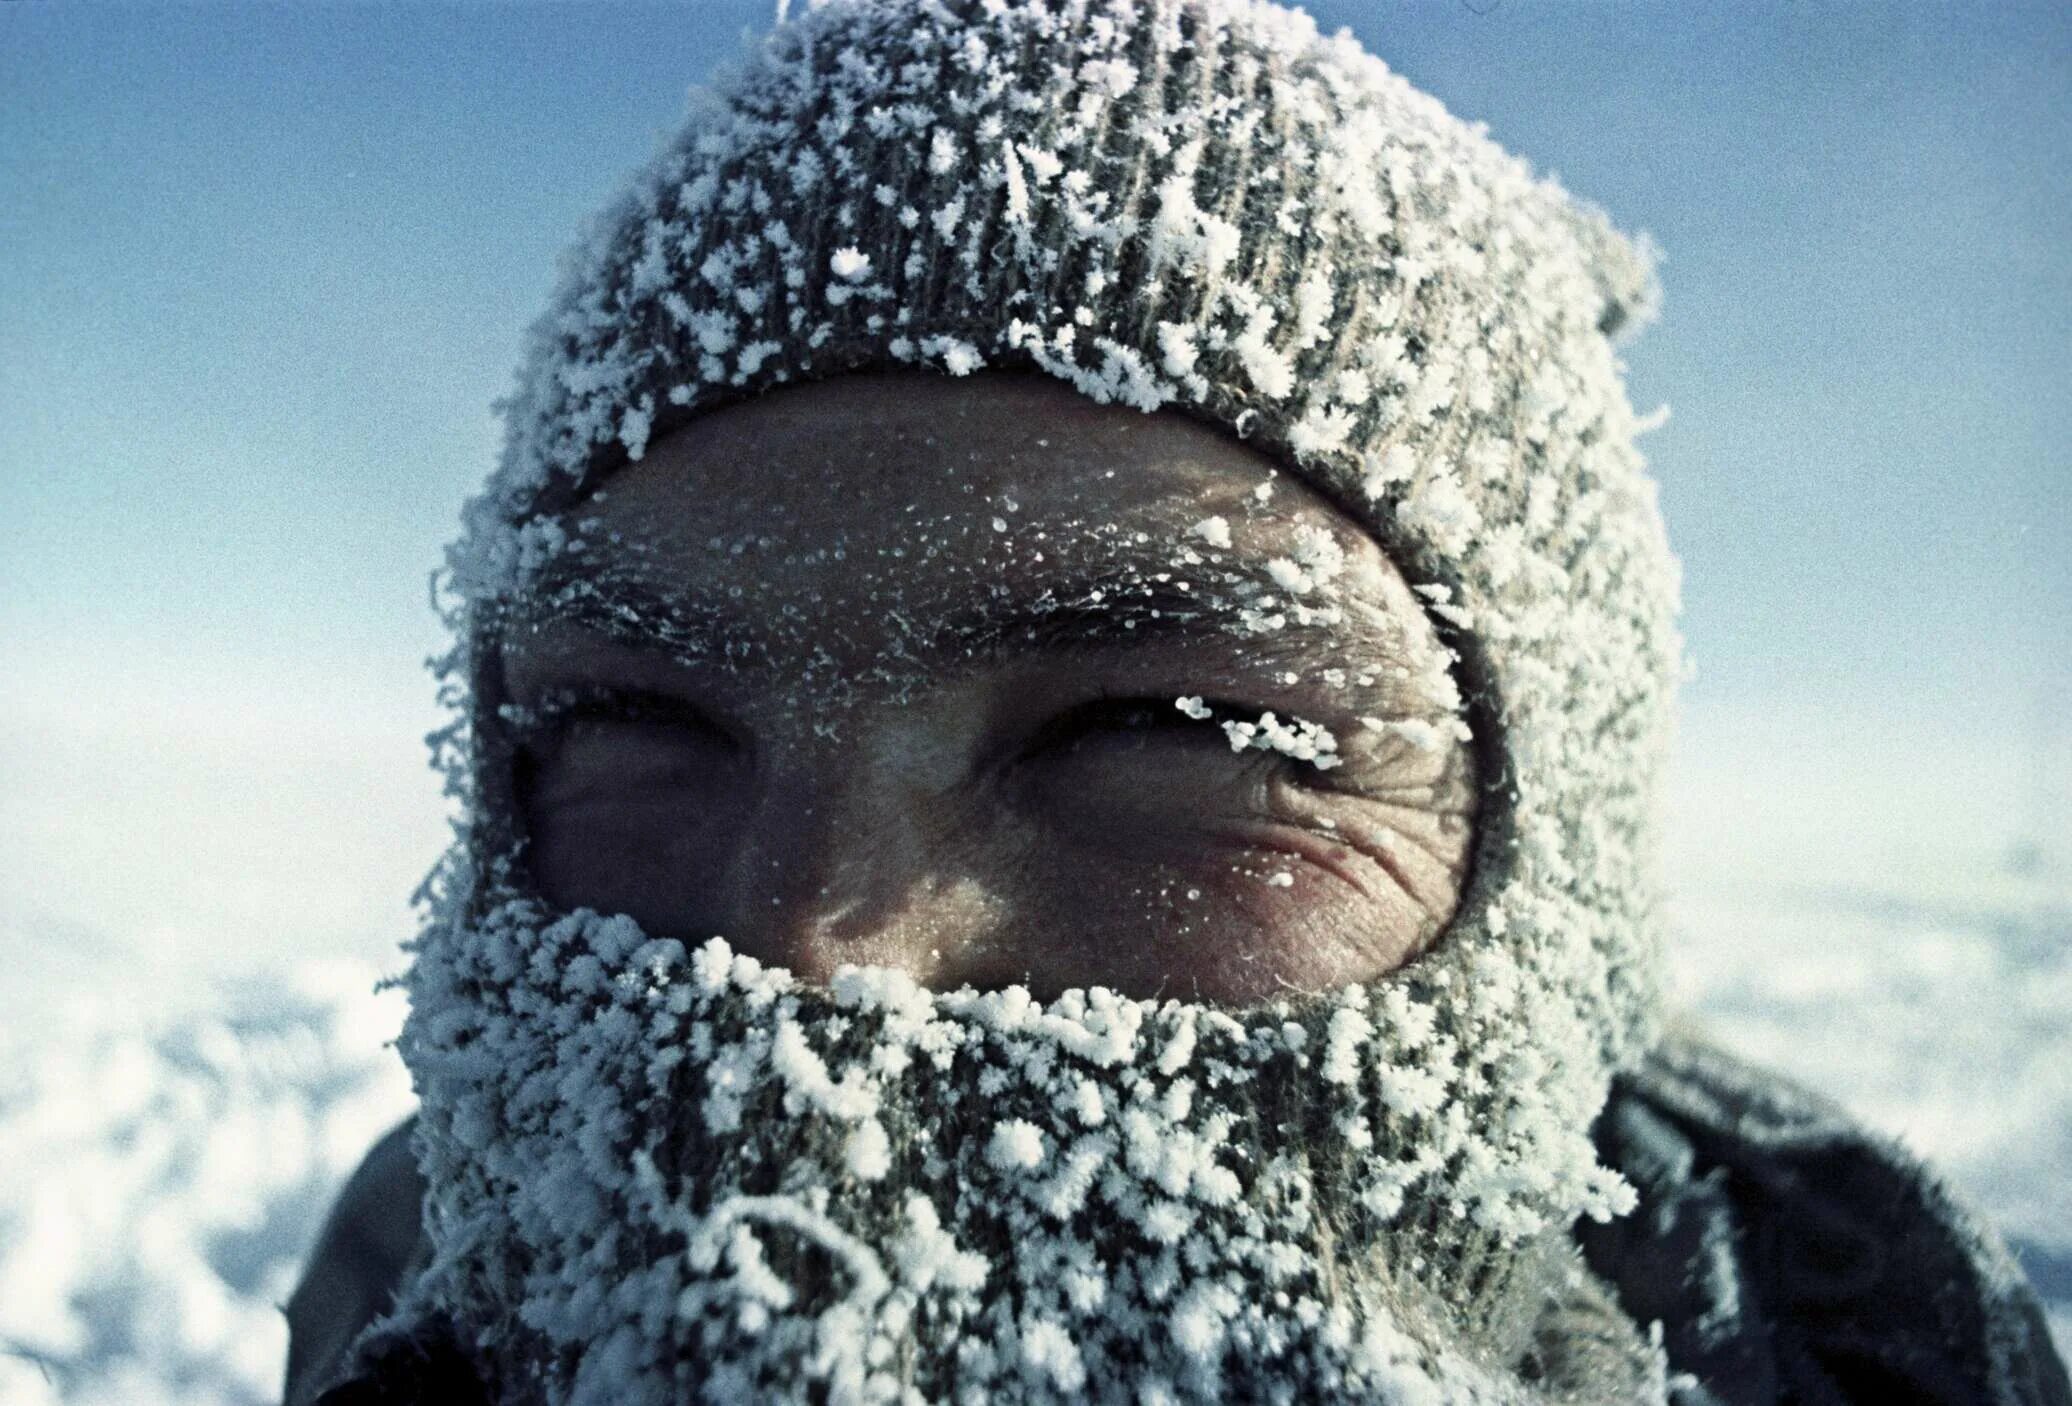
column 880, row 670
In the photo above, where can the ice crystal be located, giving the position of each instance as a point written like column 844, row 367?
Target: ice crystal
column 1298, row 738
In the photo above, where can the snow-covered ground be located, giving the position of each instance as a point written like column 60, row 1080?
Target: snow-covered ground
column 184, row 1084
column 166, row 1166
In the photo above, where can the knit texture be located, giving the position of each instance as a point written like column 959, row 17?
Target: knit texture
column 1204, row 205
column 887, row 1194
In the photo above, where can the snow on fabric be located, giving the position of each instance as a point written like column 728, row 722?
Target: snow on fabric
column 661, row 1173
column 1202, row 204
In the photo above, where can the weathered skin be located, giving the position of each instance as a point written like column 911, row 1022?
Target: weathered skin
column 852, row 749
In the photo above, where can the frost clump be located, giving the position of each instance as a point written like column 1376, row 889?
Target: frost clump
column 943, row 1196
column 1017, row 1145
column 1298, row 738
column 1317, row 560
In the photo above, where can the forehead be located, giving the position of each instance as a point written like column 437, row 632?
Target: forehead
column 894, row 456
column 874, row 506
column 875, row 452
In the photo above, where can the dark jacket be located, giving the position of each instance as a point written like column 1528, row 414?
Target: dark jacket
column 1792, row 1258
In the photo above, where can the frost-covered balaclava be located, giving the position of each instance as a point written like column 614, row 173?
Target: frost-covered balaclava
column 660, row 1171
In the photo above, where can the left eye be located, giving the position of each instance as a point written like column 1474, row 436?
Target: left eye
column 1136, row 722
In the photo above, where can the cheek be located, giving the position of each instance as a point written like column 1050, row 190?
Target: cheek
column 1231, row 914
column 626, row 823
column 658, row 854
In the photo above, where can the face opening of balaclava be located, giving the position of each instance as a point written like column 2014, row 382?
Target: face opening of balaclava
column 659, row 1171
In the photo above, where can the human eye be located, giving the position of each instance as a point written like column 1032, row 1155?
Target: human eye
column 1248, row 735
column 1147, row 764
column 1128, row 723
column 594, row 742
column 626, row 798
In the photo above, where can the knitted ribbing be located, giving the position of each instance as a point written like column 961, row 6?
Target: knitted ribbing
column 1209, row 206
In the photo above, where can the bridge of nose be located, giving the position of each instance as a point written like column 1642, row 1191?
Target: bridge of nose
column 858, row 850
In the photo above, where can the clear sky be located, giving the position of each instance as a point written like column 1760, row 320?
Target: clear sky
column 263, row 270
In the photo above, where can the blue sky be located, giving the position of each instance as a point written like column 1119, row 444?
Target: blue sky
column 263, row 270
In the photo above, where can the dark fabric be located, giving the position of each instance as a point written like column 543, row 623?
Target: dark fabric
column 359, row 1260
column 427, row 1368
column 1791, row 1258
column 1796, row 1260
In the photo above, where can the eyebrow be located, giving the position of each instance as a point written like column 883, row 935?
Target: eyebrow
column 630, row 612
column 1105, row 609
column 1101, row 610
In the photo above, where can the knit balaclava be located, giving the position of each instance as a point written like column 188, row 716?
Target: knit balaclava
column 657, row 1169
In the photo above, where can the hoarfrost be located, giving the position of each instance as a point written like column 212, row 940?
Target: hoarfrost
column 1017, row 1145
column 1297, row 738
column 1051, row 1241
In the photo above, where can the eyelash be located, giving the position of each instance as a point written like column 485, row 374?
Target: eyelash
column 538, row 730
column 1136, row 713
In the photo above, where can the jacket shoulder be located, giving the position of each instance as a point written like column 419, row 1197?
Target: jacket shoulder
column 366, row 1246
column 1792, row 1255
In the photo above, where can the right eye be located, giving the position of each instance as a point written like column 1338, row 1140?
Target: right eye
column 594, row 746
column 628, row 800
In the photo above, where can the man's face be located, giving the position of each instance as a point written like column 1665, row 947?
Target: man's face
column 865, row 731
column 889, row 669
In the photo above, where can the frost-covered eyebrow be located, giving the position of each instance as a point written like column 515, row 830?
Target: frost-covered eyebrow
column 1101, row 610
column 630, row 612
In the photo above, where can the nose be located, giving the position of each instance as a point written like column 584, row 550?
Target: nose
column 859, row 862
